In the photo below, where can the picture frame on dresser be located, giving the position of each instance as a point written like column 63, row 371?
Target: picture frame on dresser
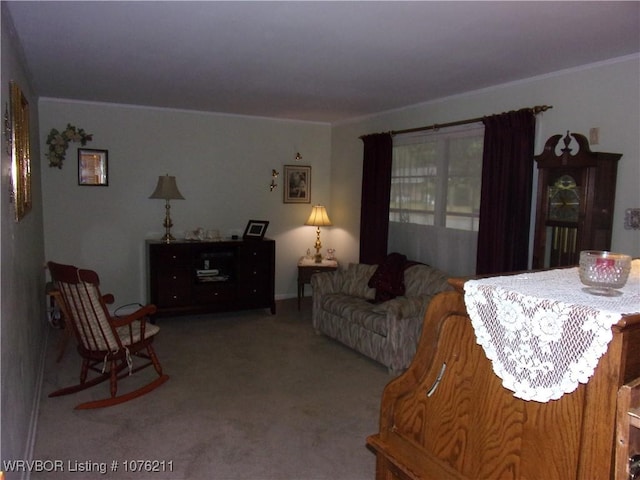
column 255, row 230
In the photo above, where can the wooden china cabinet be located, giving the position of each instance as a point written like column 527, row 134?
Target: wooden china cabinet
column 576, row 194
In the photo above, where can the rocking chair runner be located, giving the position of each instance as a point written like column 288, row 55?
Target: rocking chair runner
column 106, row 344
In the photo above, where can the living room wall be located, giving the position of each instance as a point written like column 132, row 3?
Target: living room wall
column 22, row 317
column 222, row 164
column 603, row 95
column 223, row 167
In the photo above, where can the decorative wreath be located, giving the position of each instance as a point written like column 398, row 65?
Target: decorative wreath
column 59, row 142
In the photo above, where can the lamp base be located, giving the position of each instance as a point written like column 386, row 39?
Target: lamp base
column 318, row 246
column 167, row 224
column 167, row 238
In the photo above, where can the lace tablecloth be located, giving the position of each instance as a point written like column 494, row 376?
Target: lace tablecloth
column 542, row 332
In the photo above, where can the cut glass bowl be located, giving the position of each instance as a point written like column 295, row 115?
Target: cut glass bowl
column 604, row 272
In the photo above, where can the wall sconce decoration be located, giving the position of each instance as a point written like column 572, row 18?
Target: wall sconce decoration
column 318, row 218
column 58, row 143
column 274, row 175
column 167, row 189
column 298, row 157
column 632, row 219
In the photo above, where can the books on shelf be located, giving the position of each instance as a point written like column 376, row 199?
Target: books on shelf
column 211, row 271
column 214, row 278
column 211, row 275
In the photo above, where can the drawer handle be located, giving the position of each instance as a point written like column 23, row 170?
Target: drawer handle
column 432, row 390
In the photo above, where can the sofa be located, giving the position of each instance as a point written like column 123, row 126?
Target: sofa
column 377, row 310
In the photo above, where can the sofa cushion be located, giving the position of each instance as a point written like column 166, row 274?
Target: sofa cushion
column 356, row 310
column 399, row 307
column 388, row 279
column 356, row 279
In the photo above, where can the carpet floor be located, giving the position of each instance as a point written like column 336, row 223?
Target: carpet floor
column 251, row 396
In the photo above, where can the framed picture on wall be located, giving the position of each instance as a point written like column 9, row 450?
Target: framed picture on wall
column 93, row 167
column 297, row 184
column 16, row 130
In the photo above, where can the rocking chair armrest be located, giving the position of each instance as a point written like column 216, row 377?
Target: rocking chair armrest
column 139, row 314
column 108, row 298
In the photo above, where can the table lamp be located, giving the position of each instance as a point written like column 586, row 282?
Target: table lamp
column 318, row 218
column 167, row 190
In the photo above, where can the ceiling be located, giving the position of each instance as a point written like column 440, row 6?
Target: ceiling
column 312, row 61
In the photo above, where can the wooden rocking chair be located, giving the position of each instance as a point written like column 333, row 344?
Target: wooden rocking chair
column 106, row 344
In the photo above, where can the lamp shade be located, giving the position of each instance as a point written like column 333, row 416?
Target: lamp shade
column 318, row 217
column 167, row 189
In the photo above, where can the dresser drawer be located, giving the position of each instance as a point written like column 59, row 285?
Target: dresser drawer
column 168, row 256
column 207, row 294
column 172, row 287
column 256, row 274
column 305, row 273
column 257, row 254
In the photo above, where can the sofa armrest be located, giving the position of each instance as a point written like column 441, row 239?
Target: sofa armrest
column 405, row 316
column 323, row 283
column 425, row 280
column 399, row 307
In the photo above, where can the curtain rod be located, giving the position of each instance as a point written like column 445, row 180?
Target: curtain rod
column 535, row 110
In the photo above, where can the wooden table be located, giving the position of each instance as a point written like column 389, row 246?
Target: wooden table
column 307, row 267
column 58, row 318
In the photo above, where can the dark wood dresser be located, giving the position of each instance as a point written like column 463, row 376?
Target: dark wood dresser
column 464, row 424
column 188, row 277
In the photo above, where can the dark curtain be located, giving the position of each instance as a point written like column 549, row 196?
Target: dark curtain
column 376, row 190
column 505, row 198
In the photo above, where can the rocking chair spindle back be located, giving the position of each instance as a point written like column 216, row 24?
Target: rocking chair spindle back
column 103, row 339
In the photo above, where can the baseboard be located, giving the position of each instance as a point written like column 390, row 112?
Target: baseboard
column 35, row 408
column 285, row 296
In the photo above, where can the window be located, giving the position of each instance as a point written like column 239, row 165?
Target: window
column 435, row 178
column 435, row 197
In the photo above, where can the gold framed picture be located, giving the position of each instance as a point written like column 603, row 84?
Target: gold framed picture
column 20, row 150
